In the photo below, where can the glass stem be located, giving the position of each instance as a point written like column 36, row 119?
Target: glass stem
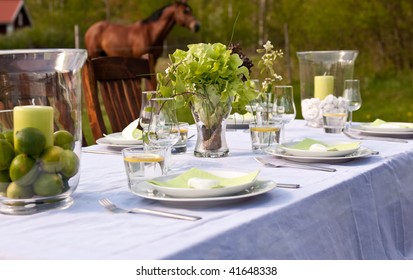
column 282, row 138
column 168, row 154
column 350, row 120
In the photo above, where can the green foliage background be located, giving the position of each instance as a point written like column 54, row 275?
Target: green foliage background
column 380, row 29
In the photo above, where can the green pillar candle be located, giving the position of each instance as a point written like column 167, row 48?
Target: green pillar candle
column 323, row 86
column 40, row 117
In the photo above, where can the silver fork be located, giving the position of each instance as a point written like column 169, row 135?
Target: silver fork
column 294, row 165
column 109, row 205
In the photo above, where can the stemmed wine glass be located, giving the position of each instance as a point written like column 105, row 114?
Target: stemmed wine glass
column 284, row 107
column 254, row 85
column 146, row 111
column 160, row 125
column 352, row 97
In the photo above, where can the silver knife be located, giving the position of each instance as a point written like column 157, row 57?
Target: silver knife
column 383, row 139
column 288, row 186
column 295, row 165
column 363, row 137
column 102, row 152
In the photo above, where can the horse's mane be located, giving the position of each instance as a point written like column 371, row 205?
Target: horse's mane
column 155, row 15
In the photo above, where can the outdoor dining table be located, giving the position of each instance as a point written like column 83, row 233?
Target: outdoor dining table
column 364, row 210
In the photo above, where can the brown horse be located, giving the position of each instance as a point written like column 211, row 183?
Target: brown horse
column 141, row 37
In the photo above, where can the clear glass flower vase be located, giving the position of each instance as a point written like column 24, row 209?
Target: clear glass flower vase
column 210, row 120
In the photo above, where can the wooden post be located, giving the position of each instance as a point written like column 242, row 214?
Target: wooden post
column 261, row 22
column 287, row 53
column 76, row 36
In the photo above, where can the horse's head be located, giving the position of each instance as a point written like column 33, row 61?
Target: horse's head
column 184, row 17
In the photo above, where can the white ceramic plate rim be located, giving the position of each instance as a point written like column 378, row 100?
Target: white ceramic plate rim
column 368, row 127
column 233, row 119
column 358, row 128
column 104, row 142
column 117, row 138
column 196, row 193
column 258, row 188
column 307, row 153
column 362, row 152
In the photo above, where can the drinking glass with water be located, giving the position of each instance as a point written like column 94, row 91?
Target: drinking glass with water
column 334, row 120
column 264, row 135
column 142, row 165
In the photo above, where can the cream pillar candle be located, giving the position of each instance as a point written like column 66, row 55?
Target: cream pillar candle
column 40, row 117
column 323, row 86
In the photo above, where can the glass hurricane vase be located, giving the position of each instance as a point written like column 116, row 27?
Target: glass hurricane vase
column 322, row 76
column 40, row 129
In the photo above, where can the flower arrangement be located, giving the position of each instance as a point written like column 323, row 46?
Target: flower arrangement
column 266, row 64
column 209, row 71
column 262, row 107
column 210, row 78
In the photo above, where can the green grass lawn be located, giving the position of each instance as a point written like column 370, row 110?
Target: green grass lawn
column 385, row 96
column 388, row 97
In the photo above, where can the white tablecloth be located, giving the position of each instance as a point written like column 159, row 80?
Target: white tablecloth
column 362, row 211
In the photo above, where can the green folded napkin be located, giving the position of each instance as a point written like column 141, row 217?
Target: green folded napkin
column 379, row 122
column 308, row 142
column 181, row 181
column 344, row 146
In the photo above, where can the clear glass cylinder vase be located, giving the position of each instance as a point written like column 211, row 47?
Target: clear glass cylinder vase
column 40, row 128
column 210, row 119
column 322, row 76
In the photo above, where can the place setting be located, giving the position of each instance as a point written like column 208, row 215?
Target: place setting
column 333, row 116
column 203, row 188
column 117, row 141
column 149, row 179
column 129, row 137
column 322, row 151
column 114, row 143
column 381, row 128
column 377, row 130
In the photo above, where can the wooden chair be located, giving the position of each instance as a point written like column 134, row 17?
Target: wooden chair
column 113, row 86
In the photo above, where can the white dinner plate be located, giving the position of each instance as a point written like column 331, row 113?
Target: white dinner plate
column 117, row 138
column 396, row 134
column 146, row 191
column 361, row 152
column 392, row 127
column 239, row 121
column 308, row 153
column 209, row 192
column 105, row 142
